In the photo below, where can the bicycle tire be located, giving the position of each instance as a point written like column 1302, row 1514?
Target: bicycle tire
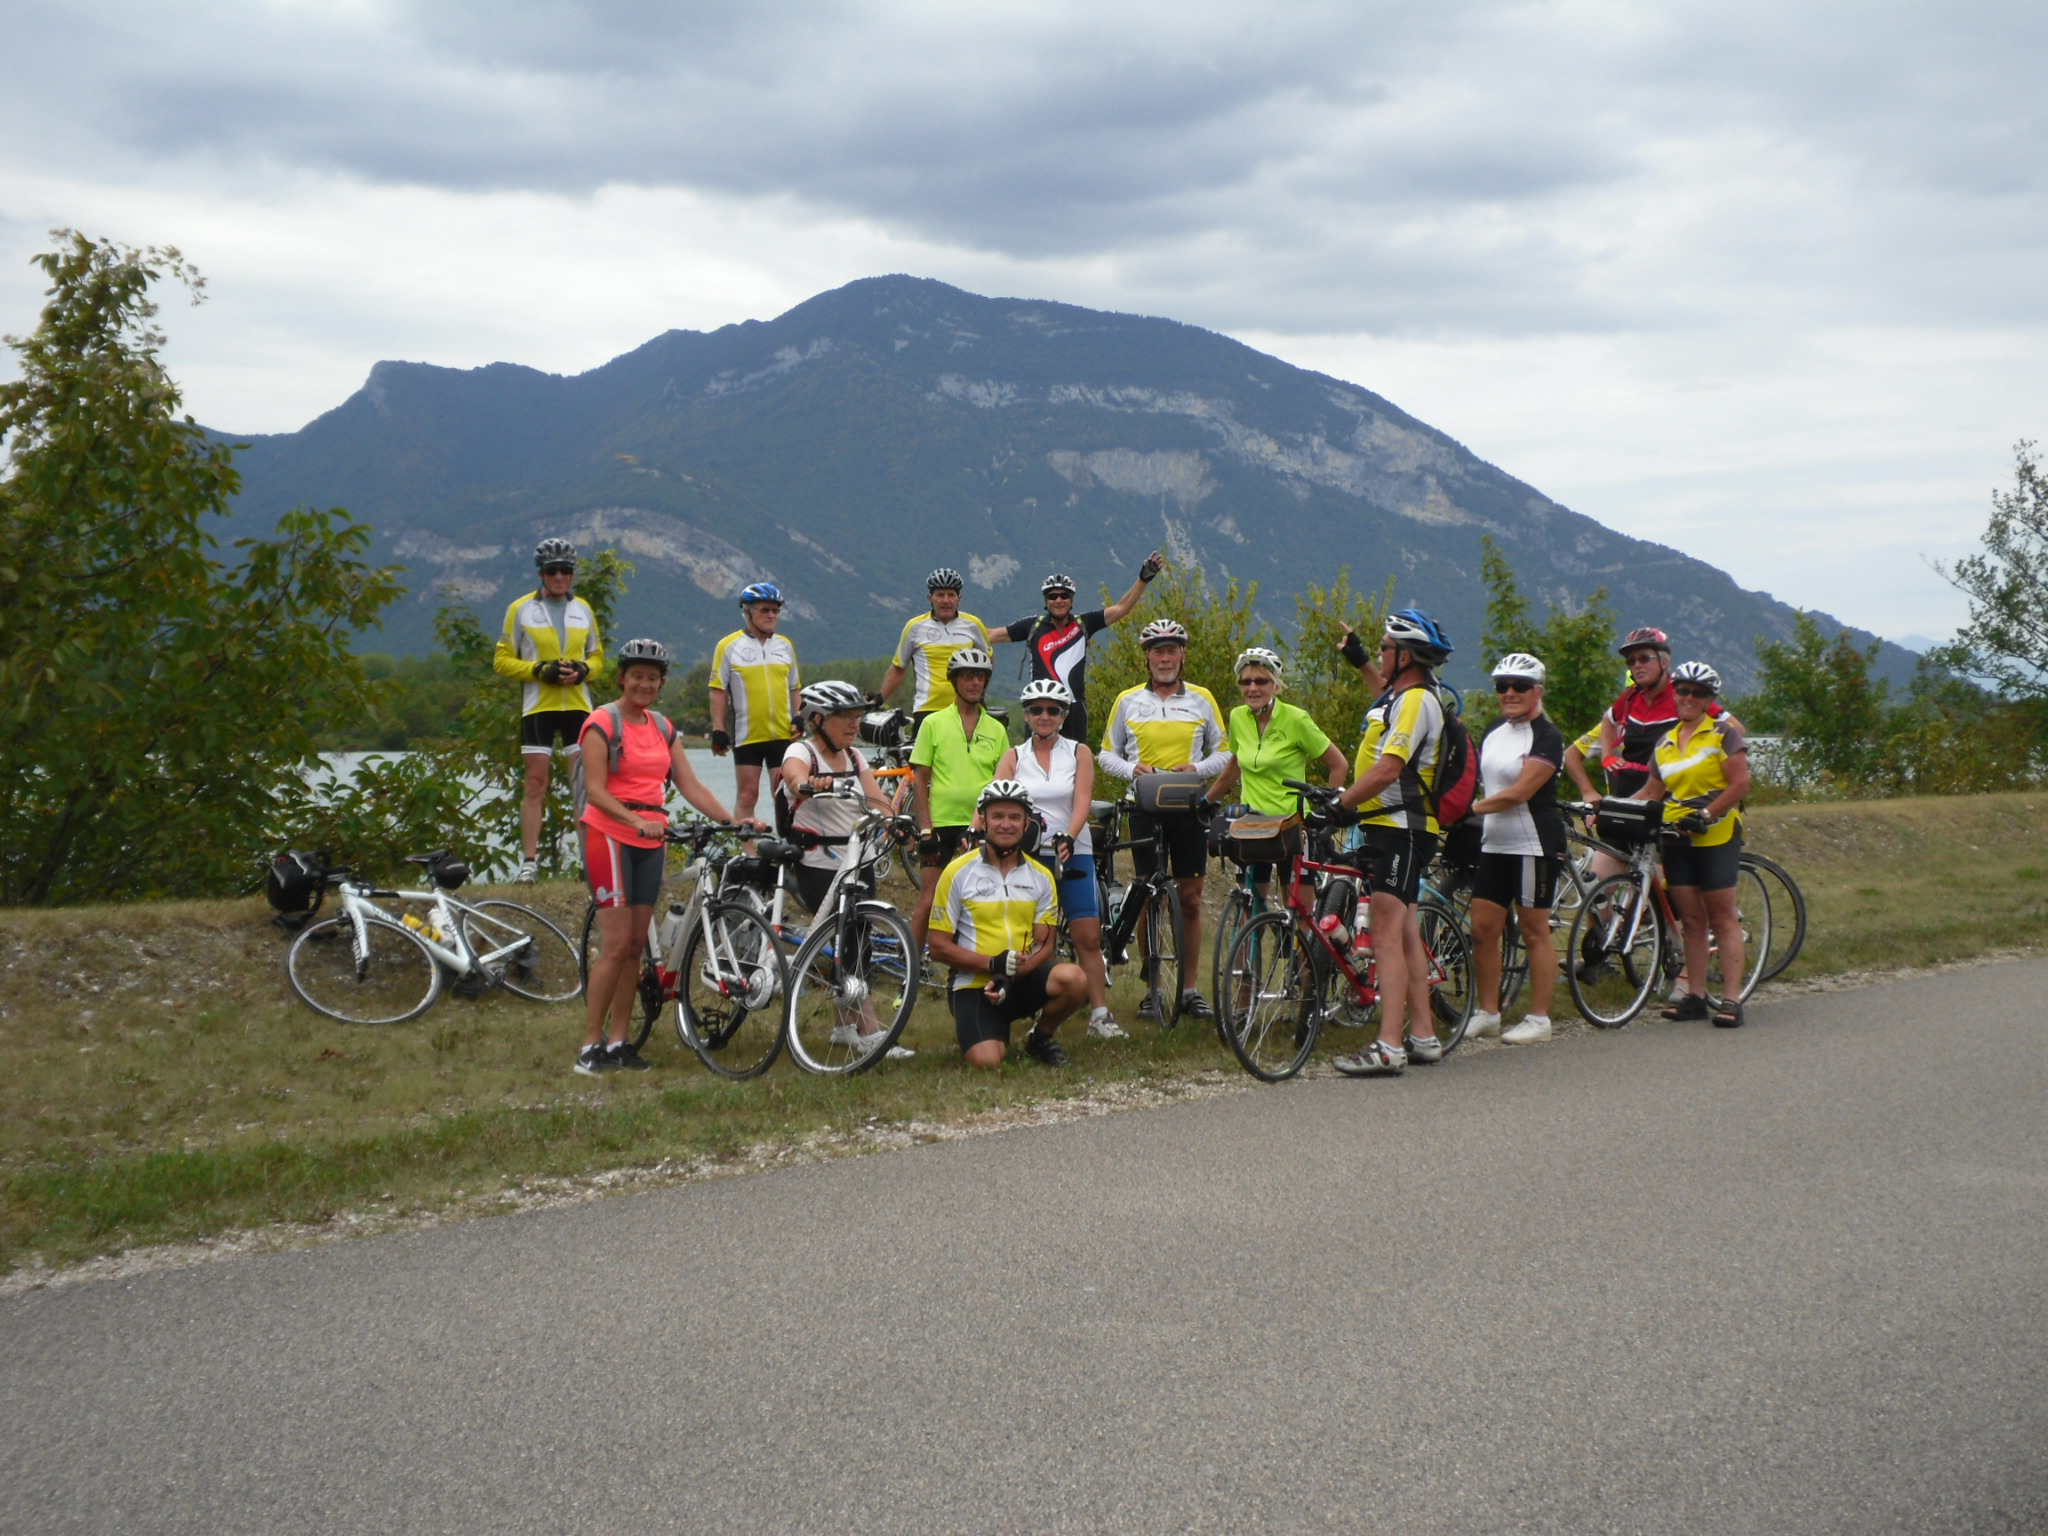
column 1270, row 1001
column 1788, row 938
column 649, row 997
column 1514, row 958
column 548, row 970
column 729, row 999
column 1164, row 970
column 1453, row 984
column 396, row 979
column 1753, row 910
column 1620, row 918
column 827, row 1002
column 1238, row 910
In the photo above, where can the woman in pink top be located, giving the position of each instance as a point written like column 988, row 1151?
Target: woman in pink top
column 625, row 826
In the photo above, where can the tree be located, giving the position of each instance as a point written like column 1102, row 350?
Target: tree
column 1319, row 679
column 2006, row 639
column 160, row 706
column 1819, row 696
column 1576, row 649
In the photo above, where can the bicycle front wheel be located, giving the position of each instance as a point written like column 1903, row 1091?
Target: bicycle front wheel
column 1163, row 938
column 389, row 978
column 1452, row 989
column 729, row 993
column 1788, row 913
column 1616, row 952
column 1753, row 917
column 850, row 992
column 1269, row 998
column 541, row 964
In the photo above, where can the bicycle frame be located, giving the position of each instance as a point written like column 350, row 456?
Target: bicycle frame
column 359, row 904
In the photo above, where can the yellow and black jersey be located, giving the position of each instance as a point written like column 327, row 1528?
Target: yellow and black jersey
column 1183, row 727
column 536, row 631
column 927, row 644
column 1408, row 725
column 756, row 677
column 989, row 910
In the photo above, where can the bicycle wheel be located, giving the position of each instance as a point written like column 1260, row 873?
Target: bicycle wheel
column 730, row 991
column 648, row 996
column 1270, row 997
column 1788, row 913
column 850, row 992
column 1163, row 971
column 1753, row 913
column 1616, row 952
column 1452, row 987
column 1230, row 922
column 1514, row 959
column 546, row 967
column 394, row 978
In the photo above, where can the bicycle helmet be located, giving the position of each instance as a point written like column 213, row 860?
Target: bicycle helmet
column 1057, row 583
column 944, row 579
column 1415, row 632
column 1520, row 664
column 1162, row 632
column 1698, row 673
column 760, row 592
column 970, row 658
column 647, row 651
column 1005, row 789
column 831, row 697
column 554, row 552
column 1265, row 660
column 1656, row 639
column 1047, row 688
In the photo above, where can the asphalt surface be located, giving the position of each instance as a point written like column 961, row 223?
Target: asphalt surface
column 1789, row 1278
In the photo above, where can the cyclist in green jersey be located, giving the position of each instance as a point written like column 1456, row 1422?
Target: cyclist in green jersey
column 954, row 756
column 1271, row 742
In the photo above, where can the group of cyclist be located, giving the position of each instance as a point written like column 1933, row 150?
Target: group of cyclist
column 994, row 821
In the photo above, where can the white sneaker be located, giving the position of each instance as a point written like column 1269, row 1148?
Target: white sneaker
column 1483, row 1024
column 899, row 1053
column 1102, row 1025
column 529, row 871
column 1423, row 1048
column 1532, row 1029
column 845, row 1034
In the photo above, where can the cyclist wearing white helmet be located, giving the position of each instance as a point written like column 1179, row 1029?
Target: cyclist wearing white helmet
column 1168, row 723
column 629, row 754
column 550, row 644
column 993, row 924
column 955, row 754
column 1521, row 848
column 926, row 643
column 827, row 782
column 1060, row 774
column 1059, row 637
column 1271, row 741
column 754, row 687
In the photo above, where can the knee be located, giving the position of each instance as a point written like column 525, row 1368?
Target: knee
column 985, row 1055
column 1068, row 981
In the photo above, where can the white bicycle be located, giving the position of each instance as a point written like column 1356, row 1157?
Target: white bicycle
column 368, row 966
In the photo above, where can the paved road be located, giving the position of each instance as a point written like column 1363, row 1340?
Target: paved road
column 1788, row 1279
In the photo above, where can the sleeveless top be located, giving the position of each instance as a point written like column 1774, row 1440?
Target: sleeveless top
column 1052, row 789
column 827, row 817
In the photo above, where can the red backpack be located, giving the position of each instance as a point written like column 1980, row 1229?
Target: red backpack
column 1457, row 774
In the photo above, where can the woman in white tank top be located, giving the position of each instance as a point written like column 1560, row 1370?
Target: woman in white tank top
column 1061, row 777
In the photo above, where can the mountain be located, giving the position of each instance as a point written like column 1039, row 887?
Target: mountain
column 875, row 431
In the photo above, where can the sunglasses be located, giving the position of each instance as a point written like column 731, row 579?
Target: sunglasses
column 1255, row 680
column 1638, row 657
column 558, row 570
column 1043, row 709
column 1694, row 693
column 1512, row 685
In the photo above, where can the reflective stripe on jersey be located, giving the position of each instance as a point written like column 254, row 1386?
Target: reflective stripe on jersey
column 988, row 911
column 1183, row 727
column 530, row 636
column 924, row 649
column 757, row 676
column 1698, row 771
column 1408, row 725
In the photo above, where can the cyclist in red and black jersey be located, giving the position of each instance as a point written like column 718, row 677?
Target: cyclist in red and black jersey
column 1059, row 638
column 1637, row 720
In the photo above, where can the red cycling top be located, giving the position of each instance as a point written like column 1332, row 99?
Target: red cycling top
column 641, row 779
column 1641, row 719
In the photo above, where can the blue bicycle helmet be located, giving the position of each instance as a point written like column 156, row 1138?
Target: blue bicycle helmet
column 1415, row 632
column 760, row 592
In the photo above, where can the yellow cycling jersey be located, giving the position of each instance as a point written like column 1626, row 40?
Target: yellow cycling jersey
column 1697, row 771
column 989, row 910
column 925, row 647
column 1408, row 725
column 756, row 677
column 1183, row 727
column 531, row 636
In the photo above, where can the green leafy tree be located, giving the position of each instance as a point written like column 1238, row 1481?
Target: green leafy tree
column 2006, row 639
column 1819, row 696
column 1319, row 679
column 1576, row 649
column 161, row 705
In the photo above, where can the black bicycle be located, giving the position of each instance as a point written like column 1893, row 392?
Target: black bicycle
column 1146, row 911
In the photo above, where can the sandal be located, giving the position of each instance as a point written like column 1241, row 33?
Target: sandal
column 1727, row 1014
column 1689, row 1007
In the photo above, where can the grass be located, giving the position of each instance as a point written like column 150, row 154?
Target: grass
column 165, row 1086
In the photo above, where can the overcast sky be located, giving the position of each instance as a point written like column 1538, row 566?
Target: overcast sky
column 1763, row 281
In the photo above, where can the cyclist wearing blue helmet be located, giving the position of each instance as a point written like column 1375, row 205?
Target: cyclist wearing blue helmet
column 754, row 690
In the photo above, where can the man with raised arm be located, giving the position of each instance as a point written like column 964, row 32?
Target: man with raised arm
column 1059, row 637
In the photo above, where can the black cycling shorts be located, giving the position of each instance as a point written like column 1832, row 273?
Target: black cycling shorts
column 542, row 730
column 951, row 841
column 1516, row 880
column 1401, row 857
column 812, row 883
column 976, row 1019
column 760, row 754
column 1187, row 845
column 1707, row 869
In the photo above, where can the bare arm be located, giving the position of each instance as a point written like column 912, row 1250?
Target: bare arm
column 921, row 796
column 1534, row 775
column 1084, row 790
column 1116, row 611
column 1220, row 787
column 1575, row 765
column 1335, row 764
column 890, row 679
column 1737, row 769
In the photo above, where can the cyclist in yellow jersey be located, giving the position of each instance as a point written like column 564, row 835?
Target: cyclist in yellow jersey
column 754, row 692
column 928, row 642
column 955, row 754
column 551, row 645
column 1397, row 762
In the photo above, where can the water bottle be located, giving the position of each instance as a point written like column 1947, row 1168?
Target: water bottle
column 671, row 929
column 425, row 930
column 1361, row 927
column 1331, row 926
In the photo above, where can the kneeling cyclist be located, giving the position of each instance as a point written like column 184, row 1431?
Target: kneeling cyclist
column 992, row 921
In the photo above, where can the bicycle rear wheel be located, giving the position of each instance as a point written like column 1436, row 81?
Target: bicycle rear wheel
column 1163, row 972
column 729, row 994
column 648, row 994
column 1753, row 913
column 1788, row 913
column 1452, row 988
column 392, row 978
column 1237, row 912
column 1269, row 1000
column 546, row 967
column 1616, row 951
column 850, row 992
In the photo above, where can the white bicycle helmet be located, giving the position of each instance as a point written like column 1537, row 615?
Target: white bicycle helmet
column 1698, row 673
column 1520, row 664
column 831, row 697
column 644, row 651
column 1262, row 658
column 554, row 552
column 1162, row 632
column 1047, row 688
column 970, row 658
column 1005, row 789
column 1057, row 582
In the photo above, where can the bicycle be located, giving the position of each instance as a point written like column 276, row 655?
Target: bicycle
column 1151, row 903
column 1293, row 968
column 1266, row 840
column 1624, row 936
column 367, row 966
column 854, row 981
column 1781, row 894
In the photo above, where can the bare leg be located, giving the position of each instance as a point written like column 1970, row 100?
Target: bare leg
column 1086, row 932
column 1542, row 952
column 1726, row 921
column 1390, row 918
column 746, row 789
column 538, row 765
column 1692, row 919
column 1489, row 920
column 616, row 976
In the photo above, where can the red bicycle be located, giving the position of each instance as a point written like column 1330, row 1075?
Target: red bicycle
column 1291, row 971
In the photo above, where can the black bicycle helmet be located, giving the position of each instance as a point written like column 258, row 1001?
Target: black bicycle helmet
column 554, row 552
